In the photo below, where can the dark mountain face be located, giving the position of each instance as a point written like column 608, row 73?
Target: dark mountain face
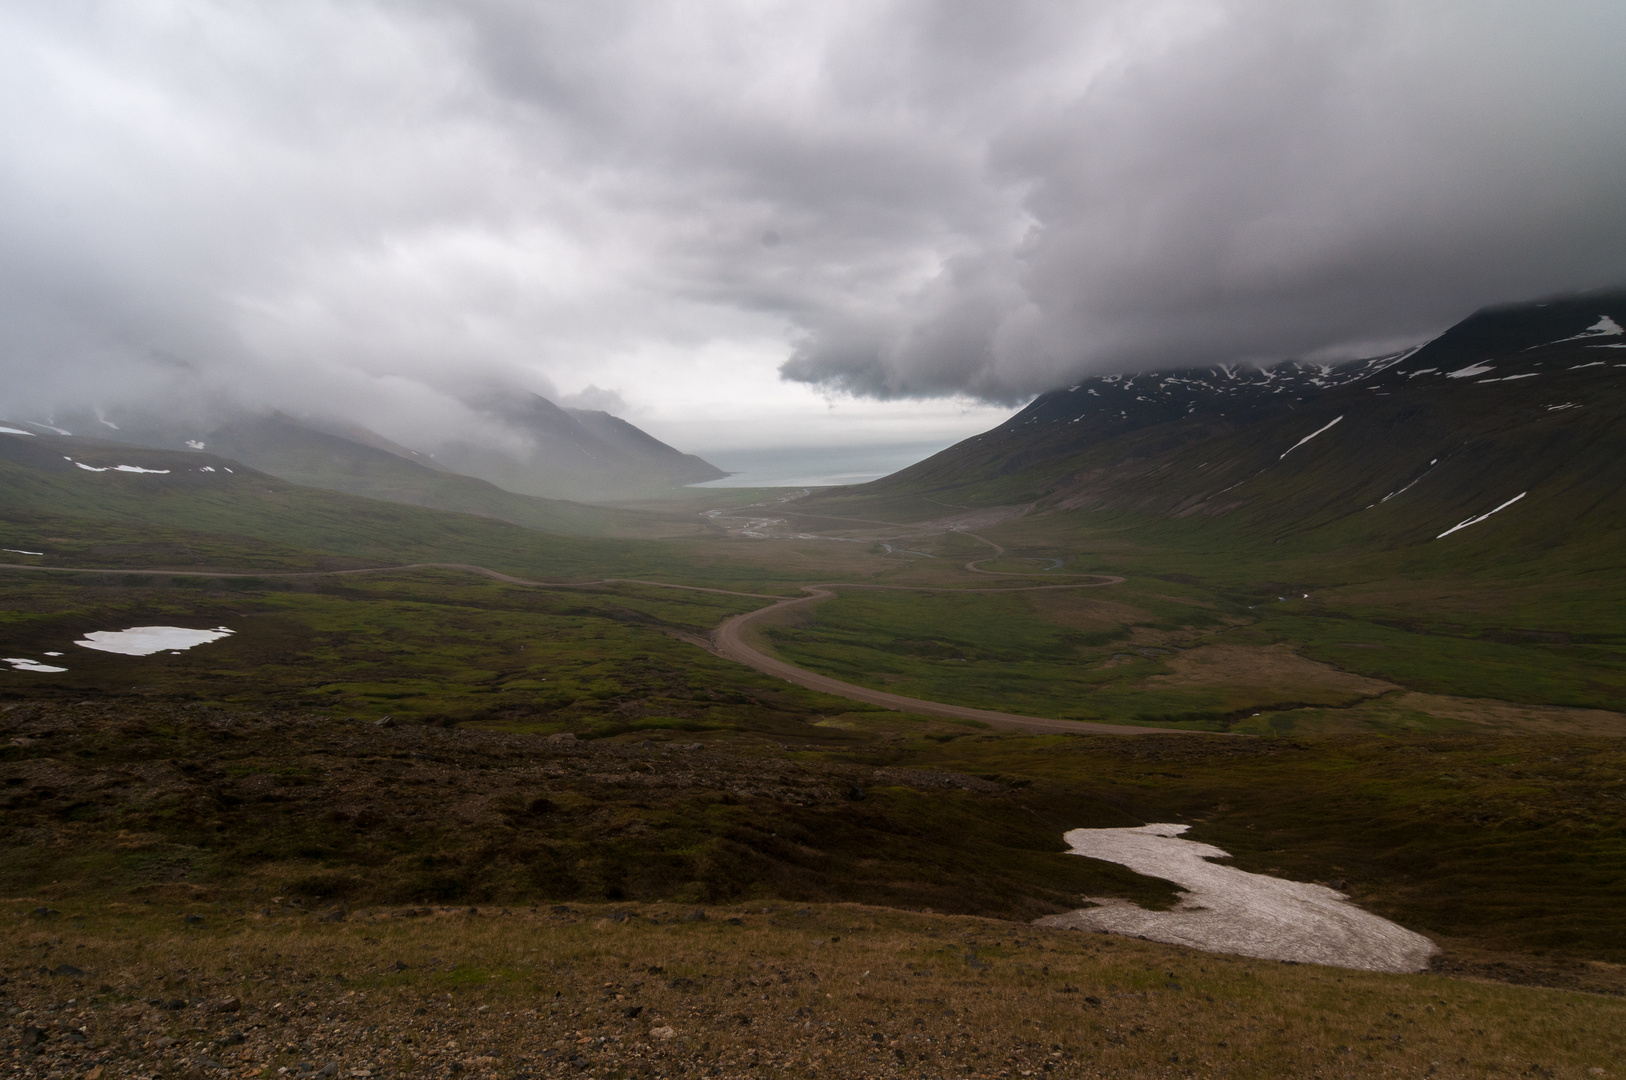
column 1519, row 400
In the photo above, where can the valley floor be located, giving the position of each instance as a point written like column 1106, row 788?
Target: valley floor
column 429, row 823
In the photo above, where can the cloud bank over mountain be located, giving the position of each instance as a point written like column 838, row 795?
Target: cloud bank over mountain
column 386, row 210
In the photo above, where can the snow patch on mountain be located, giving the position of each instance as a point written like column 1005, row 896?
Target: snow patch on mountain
column 1604, row 327
column 122, row 468
column 1310, row 436
column 1481, row 517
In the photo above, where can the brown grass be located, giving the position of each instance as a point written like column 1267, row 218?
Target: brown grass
column 1265, row 672
column 1488, row 714
column 770, row 990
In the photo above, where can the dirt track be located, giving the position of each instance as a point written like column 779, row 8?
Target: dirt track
column 731, row 642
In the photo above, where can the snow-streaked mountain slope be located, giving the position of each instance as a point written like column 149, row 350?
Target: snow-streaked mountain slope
column 1527, row 398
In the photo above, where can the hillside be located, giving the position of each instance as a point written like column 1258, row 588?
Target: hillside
column 527, row 447
column 303, row 454
column 91, row 502
column 1522, row 402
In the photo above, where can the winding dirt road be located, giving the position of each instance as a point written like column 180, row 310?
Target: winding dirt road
column 729, row 639
column 732, row 643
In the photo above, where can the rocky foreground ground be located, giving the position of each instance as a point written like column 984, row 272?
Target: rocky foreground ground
column 175, row 989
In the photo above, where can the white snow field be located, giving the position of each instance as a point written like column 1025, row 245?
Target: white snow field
column 1227, row 910
column 146, row 640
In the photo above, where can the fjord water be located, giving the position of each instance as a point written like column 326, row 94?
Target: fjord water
column 816, row 466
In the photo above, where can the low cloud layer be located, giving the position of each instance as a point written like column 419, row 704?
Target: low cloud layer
column 384, row 210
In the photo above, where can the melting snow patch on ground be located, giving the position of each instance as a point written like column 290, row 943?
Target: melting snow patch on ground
column 14, row 431
column 1232, row 911
column 20, row 551
column 23, row 664
column 1473, row 369
column 146, row 640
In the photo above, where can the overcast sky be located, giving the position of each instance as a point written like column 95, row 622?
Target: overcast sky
column 764, row 223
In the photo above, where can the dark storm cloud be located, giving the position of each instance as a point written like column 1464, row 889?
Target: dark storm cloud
column 1260, row 182
column 386, row 209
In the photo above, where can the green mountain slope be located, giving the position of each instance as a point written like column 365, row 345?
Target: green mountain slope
column 1523, row 403
column 304, row 455
column 85, row 502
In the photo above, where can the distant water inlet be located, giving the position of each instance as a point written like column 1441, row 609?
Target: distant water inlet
column 146, row 640
column 1232, row 911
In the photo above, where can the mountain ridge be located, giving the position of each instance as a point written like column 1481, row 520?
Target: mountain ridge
column 1521, row 398
column 532, row 448
column 279, row 449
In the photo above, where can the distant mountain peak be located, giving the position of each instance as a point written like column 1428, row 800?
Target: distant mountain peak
column 570, row 453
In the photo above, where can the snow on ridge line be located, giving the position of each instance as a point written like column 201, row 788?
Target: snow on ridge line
column 18, row 431
column 122, row 468
column 1308, row 437
column 1481, row 517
